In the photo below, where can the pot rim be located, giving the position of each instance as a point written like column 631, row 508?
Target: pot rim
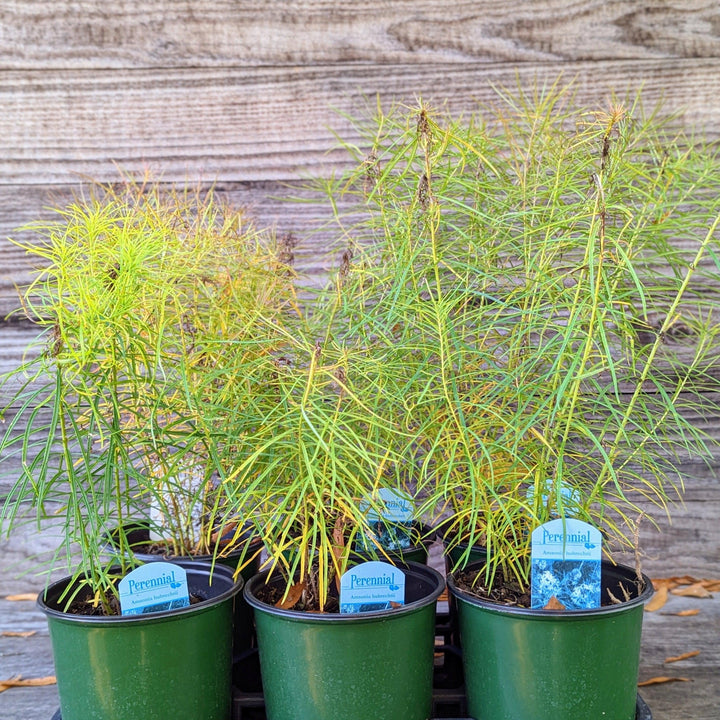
column 540, row 614
column 430, row 574
column 209, row 570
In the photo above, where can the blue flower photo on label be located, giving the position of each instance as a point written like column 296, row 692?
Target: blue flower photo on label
column 566, row 564
column 574, row 584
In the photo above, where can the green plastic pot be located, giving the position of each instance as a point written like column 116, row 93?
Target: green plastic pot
column 326, row 666
column 159, row 666
column 138, row 536
column 460, row 555
column 553, row 665
column 455, row 551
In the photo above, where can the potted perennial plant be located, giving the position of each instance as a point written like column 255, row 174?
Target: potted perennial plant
column 537, row 275
column 317, row 459
column 158, row 312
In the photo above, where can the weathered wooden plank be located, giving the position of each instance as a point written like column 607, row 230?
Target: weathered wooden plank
column 20, row 339
column 168, row 33
column 30, row 657
column 26, row 559
column 243, row 93
column 696, row 699
column 666, row 635
column 688, row 543
column 277, row 208
column 248, row 124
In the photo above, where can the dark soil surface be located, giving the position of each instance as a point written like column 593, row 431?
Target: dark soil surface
column 86, row 604
column 507, row 591
column 504, row 591
column 304, row 596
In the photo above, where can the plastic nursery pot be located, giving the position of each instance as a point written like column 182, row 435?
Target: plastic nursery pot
column 456, row 552
column 553, row 665
column 158, row 666
column 327, row 666
column 137, row 535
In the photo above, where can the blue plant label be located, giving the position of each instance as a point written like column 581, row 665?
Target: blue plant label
column 395, row 506
column 371, row 586
column 570, row 496
column 391, row 527
column 154, row 587
column 566, row 556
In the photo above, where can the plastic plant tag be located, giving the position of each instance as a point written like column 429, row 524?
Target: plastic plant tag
column 397, row 507
column 178, row 509
column 570, row 496
column 390, row 529
column 371, row 586
column 565, row 565
column 154, row 587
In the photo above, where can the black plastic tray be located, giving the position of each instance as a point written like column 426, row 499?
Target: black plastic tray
column 257, row 712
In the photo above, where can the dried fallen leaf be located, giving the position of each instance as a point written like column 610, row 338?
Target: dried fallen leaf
column 684, row 580
column 292, row 597
column 695, row 590
column 684, row 656
column 339, row 534
column 10, row 633
column 657, row 600
column 666, row 583
column 19, row 681
column 21, row 596
column 225, row 535
column 554, row 604
column 683, row 613
column 662, row 679
column 711, row 584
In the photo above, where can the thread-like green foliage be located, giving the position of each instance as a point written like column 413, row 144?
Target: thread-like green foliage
column 314, row 459
column 525, row 296
column 537, row 284
column 158, row 311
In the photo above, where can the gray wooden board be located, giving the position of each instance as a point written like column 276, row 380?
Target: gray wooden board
column 275, row 123
column 165, row 33
column 278, row 208
column 246, row 95
column 30, row 657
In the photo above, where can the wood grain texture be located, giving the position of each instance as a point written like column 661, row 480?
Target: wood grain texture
column 193, row 33
column 667, row 635
column 278, row 208
column 275, row 123
column 29, row 657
